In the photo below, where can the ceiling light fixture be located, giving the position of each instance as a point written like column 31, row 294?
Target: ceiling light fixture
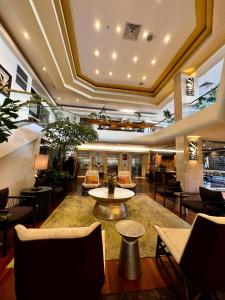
column 59, row 98
column 77, row 100
column 118, row 29
column 145, row 34
column 128, row 76
column 167, row 38
column 153, row 62
column 114, row 55
column 110, row 73
column 97, row 25
column 96, row 52
column 135, row 59
column 97, row 71
column 144, row 77
column 26, row 35
column 44, row 68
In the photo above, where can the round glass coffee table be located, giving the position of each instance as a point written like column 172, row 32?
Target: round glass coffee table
column 110, row 206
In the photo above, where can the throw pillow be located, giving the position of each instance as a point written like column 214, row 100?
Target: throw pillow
column 124, row 180
column 91, row 179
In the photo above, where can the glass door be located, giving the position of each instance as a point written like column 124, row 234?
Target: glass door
column 84, row 162
column 136, row 165
column 112, row 163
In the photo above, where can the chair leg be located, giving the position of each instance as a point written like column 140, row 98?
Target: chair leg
column 82, row 191
column 158, row 247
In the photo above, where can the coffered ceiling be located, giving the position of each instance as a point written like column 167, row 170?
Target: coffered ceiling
column 78, row 50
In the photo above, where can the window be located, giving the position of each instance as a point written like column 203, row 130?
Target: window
column 21, row 78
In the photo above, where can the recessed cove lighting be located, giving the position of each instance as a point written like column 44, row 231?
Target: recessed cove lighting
column 145, row 34
column 96, row 52
column 26, row 35
column 153, row 62
column 128, row 111
column 114, row 55
column 44, row 68
column 144, row 77
column 97, row 25
column 110, row 73
column 97, row 71
column 167, row 38
column 128, row 76
column 135, row 59
column 118, row 29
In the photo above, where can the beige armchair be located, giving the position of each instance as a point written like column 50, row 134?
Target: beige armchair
column 91, row 181
column 125, row 182
column 59, row 263
column 198, row 253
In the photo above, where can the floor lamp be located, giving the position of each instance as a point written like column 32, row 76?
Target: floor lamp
column 40, row 163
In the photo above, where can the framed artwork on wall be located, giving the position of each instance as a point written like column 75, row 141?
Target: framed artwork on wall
column 5, row 80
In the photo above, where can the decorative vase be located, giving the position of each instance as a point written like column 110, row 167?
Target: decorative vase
column 111, row 189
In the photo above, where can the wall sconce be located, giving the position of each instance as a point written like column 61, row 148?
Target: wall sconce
column 193, row 150
column 190, row 86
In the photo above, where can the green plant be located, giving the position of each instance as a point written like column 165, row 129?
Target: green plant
column 168, row 116
column 206, row 100
column 64, row 135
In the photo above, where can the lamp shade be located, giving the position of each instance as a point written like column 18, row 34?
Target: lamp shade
column 40, row 162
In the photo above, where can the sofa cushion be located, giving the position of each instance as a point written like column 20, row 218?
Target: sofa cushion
column 90, row 179
column 4, row 193
column 17, row 213
column 124, row 180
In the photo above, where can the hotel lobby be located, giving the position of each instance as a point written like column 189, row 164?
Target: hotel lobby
column 112, row 149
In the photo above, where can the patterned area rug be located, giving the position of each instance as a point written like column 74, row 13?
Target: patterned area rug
column 77, row 211
column 156, row 294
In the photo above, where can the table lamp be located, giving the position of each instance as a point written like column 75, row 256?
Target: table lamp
column 40, row 163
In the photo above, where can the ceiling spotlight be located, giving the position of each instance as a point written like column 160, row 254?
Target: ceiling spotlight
column 110, row 73
column 135, row 59
column 59, row 98
column 167, row 38
column 97, row 25
column 97, row 71
column 144, row 77
column 77, row 100
column 114, row 55
column 118, row 29
column 96, row 52
column 153, row 62
column 44, row 69
column 145, row 34
column 128, row 76
column 26, row 35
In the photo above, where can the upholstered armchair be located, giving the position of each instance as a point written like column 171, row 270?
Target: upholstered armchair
column 59, row 263
column 14, row 211
column 125, row 182
column 91, row 181
column 198, row 253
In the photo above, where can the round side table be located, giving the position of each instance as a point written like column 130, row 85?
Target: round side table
column 129, row 265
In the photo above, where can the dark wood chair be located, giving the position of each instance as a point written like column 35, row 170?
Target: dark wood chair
column 168, row 191
column 197, row 253
column 206, row 201
column 14, row 215
column 59, row 263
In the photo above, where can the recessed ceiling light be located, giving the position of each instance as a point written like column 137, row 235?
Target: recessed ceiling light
column 144, row 77
column 118, row 29
column 96, row 52
column 97, row 25
column 77, row 100
column 97, row 71
column 153, row 62
column 44, row 68
column 128, row 76
column 110, row 73
column 59, row 98
column 210, row 148
column 145, row 34
column 26, row 35
column 167, row 38
column 114, row 55
column 135, row 59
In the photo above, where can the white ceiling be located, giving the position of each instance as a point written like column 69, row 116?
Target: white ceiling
column 175, row 18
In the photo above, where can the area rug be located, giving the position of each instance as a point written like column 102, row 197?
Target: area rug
column 77, row 211
column 154, row 294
